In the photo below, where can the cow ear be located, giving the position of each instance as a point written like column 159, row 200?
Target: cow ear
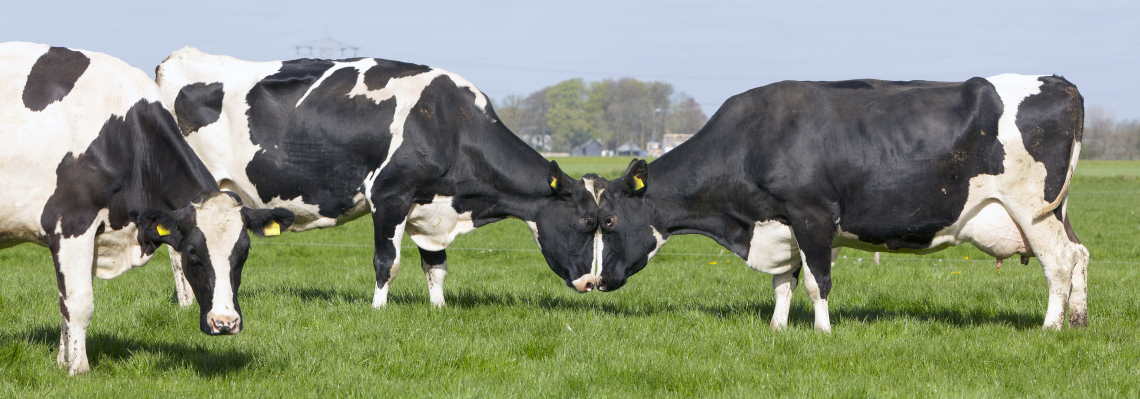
column 267, row 222
column 157, row 227
column 558, row 181
column 636, row 177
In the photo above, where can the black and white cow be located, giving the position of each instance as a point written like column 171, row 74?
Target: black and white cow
column 786, row 171
column 95, row 169
column 332, row 140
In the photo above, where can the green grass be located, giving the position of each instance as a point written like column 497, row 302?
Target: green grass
column 936, row 325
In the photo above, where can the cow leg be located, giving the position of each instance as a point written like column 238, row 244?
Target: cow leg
column 389, row 216
column 74, row 260
column 877, row 256
column 434, row 264
column 386, row 259
column 784, row 286
column 1078, row 297
column 1060, row 259
column 814, row 232
column 818, row 300
column 182, row 291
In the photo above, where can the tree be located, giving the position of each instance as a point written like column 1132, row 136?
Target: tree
column 567, row 118
column 687, row 115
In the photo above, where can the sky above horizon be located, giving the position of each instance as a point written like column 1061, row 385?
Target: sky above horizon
column 709, row 50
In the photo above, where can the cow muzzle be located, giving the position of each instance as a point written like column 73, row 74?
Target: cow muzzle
column 587, row 282
column 223, row 323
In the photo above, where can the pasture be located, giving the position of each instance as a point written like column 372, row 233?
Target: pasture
column 694, row 323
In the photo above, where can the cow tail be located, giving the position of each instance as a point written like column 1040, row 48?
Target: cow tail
column 1074, row 154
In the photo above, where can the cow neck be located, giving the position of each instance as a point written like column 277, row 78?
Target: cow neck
column 503, row 177
column 691, row 196
column 167, row 173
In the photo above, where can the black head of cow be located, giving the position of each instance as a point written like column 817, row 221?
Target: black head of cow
column 627, row 235
column 211, row 239
column 566, row 228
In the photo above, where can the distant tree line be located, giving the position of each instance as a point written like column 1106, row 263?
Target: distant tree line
column 613, row 111
column 1106, row 137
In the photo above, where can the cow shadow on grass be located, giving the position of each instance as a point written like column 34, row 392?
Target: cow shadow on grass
column 206, row 363
column 959, row 317
column 964, row 316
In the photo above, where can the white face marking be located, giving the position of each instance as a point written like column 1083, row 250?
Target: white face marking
column 596, row 263
column 219, row 219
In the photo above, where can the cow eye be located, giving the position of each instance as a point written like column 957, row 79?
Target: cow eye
column 587, row 221
column 610, row 222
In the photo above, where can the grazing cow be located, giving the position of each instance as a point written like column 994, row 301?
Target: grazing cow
column 95, row 169
column 786, row 171
column 332, row 140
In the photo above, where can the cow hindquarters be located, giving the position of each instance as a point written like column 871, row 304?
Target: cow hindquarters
column 182, row 291
column 434, row 264
column 74, row 259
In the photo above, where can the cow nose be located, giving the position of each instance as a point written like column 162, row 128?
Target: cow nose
column 224, row 324
column 586, row 283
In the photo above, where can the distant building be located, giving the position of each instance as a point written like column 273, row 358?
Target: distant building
column 654, row 148
column 592, row 148
column 671, row 140
column 629, row 150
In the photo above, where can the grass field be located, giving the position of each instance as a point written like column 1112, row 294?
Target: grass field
column 694, row 323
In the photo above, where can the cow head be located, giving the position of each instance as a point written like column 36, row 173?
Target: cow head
column 211, row 239
column 628, row 238
column 566, row 228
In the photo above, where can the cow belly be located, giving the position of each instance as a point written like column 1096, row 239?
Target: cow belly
column 773, row 248
column 433, row 226
column 993, row 231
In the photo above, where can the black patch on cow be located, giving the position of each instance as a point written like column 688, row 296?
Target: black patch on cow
column 53, row 76
column 1050, row 122
column 138, row 161
column 53, row 245
column 378, row 76
column 198, row 105
column 322, row 149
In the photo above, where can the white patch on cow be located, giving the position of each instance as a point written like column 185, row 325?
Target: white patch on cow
column 361, row 66
column 219, row 218
column 660, row 243
column 433, row 226
column 773, row 248
column 534, row 229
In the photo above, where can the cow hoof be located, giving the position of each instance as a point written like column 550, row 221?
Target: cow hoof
column 78, row 368
column 1079, row 320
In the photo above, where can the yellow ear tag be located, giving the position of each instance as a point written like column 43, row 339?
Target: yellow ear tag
column 554, row 183
column 638, row 184
column 162, row 230
column 272, row 229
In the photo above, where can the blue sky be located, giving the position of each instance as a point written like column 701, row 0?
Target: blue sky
column 710, row 50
